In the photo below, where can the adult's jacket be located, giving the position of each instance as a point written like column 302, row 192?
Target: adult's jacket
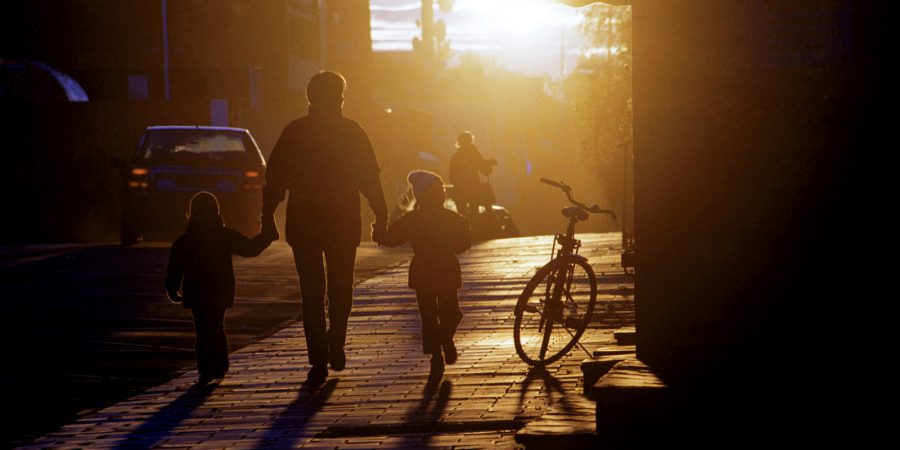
column 325, row 162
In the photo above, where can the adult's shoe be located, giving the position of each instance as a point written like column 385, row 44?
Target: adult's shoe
column 317, row 374
column 337, row 358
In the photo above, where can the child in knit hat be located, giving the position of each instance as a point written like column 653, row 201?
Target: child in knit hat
column 436, row 235
column 201, row 277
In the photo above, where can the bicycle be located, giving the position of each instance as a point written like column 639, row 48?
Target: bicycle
column 561, row 294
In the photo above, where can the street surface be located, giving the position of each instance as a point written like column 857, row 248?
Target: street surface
column 385, row 398
column 85, row 326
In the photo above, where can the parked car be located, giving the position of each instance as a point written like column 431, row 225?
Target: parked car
column 172, row 163
column 493, row 223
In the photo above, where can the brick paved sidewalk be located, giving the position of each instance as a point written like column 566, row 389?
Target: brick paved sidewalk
column 384, row 398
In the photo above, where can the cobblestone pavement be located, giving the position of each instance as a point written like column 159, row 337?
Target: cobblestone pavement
column 385, row 398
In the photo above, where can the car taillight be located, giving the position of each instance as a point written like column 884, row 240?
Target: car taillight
column 252, row 181
column 139, row 178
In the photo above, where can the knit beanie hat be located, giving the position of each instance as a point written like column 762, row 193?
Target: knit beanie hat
column 204, row 202
column 422, row 180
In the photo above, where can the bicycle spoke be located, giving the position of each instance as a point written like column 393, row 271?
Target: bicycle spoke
column 575, row 320
column 538, row 337
column 572, row 322
column 546, row 342
column 569, row 331
column 561, row 292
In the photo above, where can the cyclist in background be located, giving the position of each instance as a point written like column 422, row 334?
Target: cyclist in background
column 465, row 166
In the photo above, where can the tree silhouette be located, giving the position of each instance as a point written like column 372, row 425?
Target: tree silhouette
column 599, row 98
column 433, row 47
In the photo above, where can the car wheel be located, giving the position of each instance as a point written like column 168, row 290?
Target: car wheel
column 510, row 229
column 130, row 234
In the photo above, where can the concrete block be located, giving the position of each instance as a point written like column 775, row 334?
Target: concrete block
column 634, row 404
column 613, row 350
column 593, row 369
column 626, row 336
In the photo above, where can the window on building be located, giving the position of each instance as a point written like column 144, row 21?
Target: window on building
column 304, row 37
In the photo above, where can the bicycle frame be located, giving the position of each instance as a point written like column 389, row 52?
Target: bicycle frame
column 568, row 245
column 554, row 291
column 561, row 280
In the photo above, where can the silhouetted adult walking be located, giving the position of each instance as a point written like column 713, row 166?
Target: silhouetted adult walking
column 465, row 165
column 325, row 160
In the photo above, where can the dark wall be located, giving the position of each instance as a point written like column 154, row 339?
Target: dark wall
column 755, row 128
column 60, row 180
column 349, row 46
column 228, row 49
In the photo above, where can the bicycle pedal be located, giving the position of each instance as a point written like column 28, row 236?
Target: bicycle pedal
column 531, row 309
column 573, row 322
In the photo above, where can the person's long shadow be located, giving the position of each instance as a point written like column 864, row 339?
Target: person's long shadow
column 288, row 428
column 425, row 417
column 161, row 424
column 551, row 385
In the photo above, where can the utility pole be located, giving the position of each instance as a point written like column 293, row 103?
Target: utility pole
column 434, row 34
column 562, row 52
column 428, row 33
column 165, row 37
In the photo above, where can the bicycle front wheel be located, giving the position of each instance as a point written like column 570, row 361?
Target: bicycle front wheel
column 554, row 310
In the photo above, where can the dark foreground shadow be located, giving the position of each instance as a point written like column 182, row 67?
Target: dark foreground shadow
column 425, row 412
column 289, row 427
column 158, row 427
column 426, row 416
column 551, row 386
column 421, row 421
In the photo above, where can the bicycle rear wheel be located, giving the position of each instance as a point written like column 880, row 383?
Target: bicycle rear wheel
column 554, row 310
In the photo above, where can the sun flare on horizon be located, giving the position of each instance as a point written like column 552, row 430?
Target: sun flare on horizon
column 520, row 17
column 535, row 37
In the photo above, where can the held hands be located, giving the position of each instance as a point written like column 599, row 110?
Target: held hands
column 379, row 231
column 269, row 229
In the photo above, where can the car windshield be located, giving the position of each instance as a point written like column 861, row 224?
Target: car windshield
column 212, row 144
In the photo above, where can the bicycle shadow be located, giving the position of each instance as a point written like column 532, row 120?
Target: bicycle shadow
column 158, row 427
column 550, row 383
column 287, row 430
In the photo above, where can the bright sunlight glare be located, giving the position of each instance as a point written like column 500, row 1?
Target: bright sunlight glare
column 517, row 16
column 535, row 37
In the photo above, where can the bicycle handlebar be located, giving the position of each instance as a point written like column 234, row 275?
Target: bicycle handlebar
column 603, row 211
column 559, row 185
column 568, row 190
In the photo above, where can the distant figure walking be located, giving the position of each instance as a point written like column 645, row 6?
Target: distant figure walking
column 437, row 234
column 200, row 275
column 465, row 166
column 325, row 160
